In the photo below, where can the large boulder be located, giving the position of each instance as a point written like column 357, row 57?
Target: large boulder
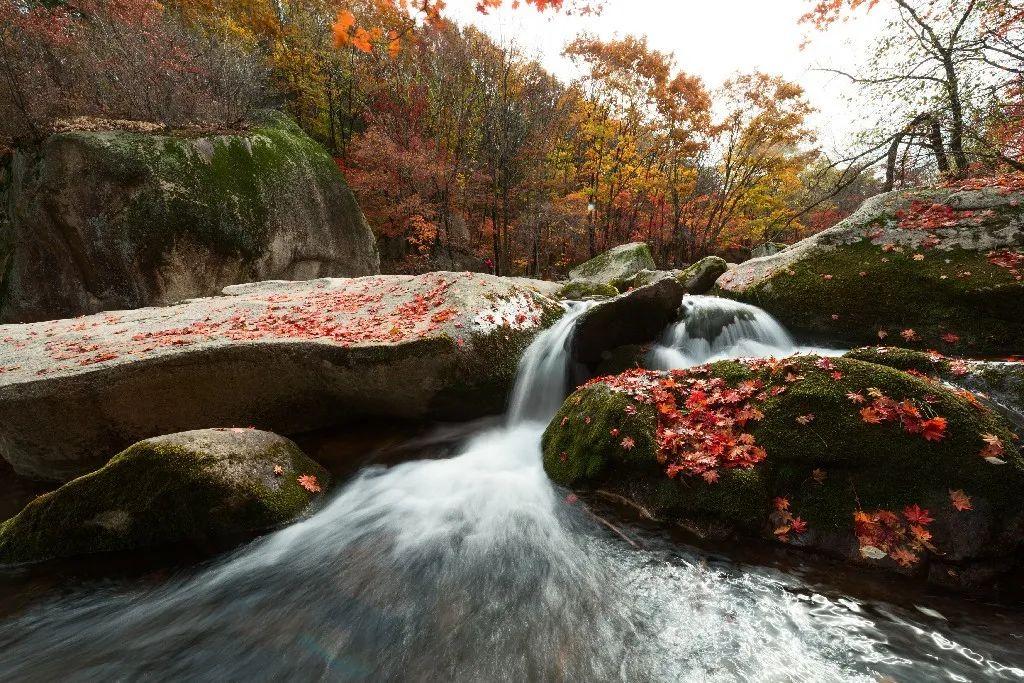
column 850, row 458
column 115, row 219
column 283, row 356
column 636, row 317
column 701, row 276
column 615, row 266
column 923, row 263
column 198, row 486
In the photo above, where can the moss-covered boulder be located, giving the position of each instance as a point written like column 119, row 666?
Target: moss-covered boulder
column 1000, row 383
column 615, row 266
column 577, row 290
column 924, row 264
column 700, row 277
column 200, row 486
column 288, row 357
column 847, row 457
column 102, row 220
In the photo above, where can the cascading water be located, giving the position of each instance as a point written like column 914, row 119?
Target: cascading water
column 475, row 568
column 712, row 328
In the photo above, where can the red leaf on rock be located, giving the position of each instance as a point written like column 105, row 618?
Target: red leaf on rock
column 960, row 500
column 915, row 514
column 934, row 429
column 310, row 483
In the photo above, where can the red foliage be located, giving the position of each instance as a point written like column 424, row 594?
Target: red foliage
column 924, row 216
column 907, row 413
column 1012, row 260
column 884, row 532
column 700, row 420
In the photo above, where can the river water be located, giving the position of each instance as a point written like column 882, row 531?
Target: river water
column 471, row 566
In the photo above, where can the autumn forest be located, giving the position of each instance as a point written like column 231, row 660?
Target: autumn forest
column 468, row 154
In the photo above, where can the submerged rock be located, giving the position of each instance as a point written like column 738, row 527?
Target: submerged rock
column 615, row 266
column 850, row 458
column 114, row 219
column 284, row 356
column 919, row 263
column 700, row 277
column 198, row 486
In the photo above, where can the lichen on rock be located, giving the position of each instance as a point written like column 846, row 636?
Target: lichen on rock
column 101, row 220
column 616, row 266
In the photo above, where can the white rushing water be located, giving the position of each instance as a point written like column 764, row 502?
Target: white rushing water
column 475, row 568
column 714, row 329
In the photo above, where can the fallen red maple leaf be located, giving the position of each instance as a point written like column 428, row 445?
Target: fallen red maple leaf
column 934, row 429
column 915, row 514
column 310, row 483
column 960, row 500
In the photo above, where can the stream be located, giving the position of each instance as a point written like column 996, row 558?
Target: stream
column 468, row 564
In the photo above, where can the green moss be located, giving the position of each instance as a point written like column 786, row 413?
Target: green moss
column 615, row 265
column 579, row 444
column 866, row 466
column 218, row 191
column 900, row 359
column 896, row 293
column 161, row 491
column 876, row 466
column 580, row 289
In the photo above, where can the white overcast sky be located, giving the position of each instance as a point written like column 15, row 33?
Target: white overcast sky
column 711, row 39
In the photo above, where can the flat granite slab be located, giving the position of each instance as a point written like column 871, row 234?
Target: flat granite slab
column 283, row 356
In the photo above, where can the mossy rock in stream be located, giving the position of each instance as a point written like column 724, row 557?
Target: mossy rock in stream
column 198, row 486
column 827, row 467
column 926, row 263
column 700, row 277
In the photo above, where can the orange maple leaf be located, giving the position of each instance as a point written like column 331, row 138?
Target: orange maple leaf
column 960, row 500
column 934, row 429
column 310, row 483
column 870, row 415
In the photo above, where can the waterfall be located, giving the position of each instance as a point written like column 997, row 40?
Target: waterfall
column 543, row 377
column 712, row 328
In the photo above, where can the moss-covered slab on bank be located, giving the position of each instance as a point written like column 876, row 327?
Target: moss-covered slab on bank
column 784, row 450
column 917, row 265
column 198, row 486
column 615, row 266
